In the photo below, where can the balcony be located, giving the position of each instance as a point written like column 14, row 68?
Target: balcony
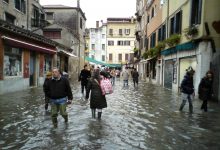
column 38, row 22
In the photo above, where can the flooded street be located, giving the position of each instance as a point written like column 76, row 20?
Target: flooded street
column 146, row 117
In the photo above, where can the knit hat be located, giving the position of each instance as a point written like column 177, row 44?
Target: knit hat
column 49, row 74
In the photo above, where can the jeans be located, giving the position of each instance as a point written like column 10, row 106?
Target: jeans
column 113, row 80
column 186, row 97
column 125, row 83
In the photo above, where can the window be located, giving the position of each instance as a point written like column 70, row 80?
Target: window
column 103, row 57
column 52, row 34
column 146, row 42
column 196, row 11
column 127, row 43
column 148, row 19
column 110, row 31
column 119, row 57
column 81, row 23
column 103, row 36
column 7, row 1
column 12, row 61
column 103, row 46
column 176, row 23
column 36, row 20
column 127, row 31
column 93, row 46
column 152, row 12
column 153, row 40
column 162, row 33
column 110, row 43
column 126, row 57
column 120, row 43
column 120, row 31
column 20, row 5
column 49, row 15
column 110, row 57
column 9, row 18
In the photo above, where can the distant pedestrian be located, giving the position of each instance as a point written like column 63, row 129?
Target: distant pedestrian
column 125, row 76
column 135, row 76
column 47, row 99
column 206, row 90
column 59, row 91
column 113, row 75
column 97, row 99
column 85, row 74
column 187, row 89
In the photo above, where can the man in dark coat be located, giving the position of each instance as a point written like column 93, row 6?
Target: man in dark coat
column 59, row 91
column 97, row 100
column 187, row 89
column 46, row 81
column 135, row 76
column 85, row 74
column 205, row 90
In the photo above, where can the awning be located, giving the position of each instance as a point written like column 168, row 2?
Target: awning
column 65, row 52
column 101, row 63
column 22, row 44
column 182, row 47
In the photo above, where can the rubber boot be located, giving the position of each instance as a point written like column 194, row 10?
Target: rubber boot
column 181, row 107
column 93, row 113
column 191, row 109
column 46, row 106
column 54, row 120
column 65, row 119
column 99, row 115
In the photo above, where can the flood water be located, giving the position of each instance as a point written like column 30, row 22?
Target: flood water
column 146, row 117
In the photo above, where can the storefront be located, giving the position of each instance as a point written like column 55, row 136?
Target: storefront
column 24, row 60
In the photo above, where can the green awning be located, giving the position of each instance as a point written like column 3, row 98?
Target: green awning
column 102, row 63
column 181, row 47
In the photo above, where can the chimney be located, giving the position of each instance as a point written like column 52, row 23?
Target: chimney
column 78, row 3
column 97, row 24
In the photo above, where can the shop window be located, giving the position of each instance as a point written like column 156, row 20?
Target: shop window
column 48, row 63
column 196, row 11
column 12, row 61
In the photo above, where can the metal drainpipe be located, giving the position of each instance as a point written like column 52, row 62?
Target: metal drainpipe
column 27, row 10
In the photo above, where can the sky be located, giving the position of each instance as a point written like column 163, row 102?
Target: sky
column 97, row 10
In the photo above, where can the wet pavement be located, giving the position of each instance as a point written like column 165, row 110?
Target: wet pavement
column 146, row 117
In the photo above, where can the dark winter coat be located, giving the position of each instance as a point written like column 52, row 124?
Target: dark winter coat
column 97, row 100
column 135, row 75
column 56, row 89
column 205, row 88
column 84, row 76
column 187, row 86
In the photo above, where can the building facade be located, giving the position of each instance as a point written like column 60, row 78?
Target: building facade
column 120, row 40
column 97, row 43
column 74, row 19
column 185, row 36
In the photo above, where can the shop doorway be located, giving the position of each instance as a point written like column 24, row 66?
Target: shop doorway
column 168, row 74
column 32, row 79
